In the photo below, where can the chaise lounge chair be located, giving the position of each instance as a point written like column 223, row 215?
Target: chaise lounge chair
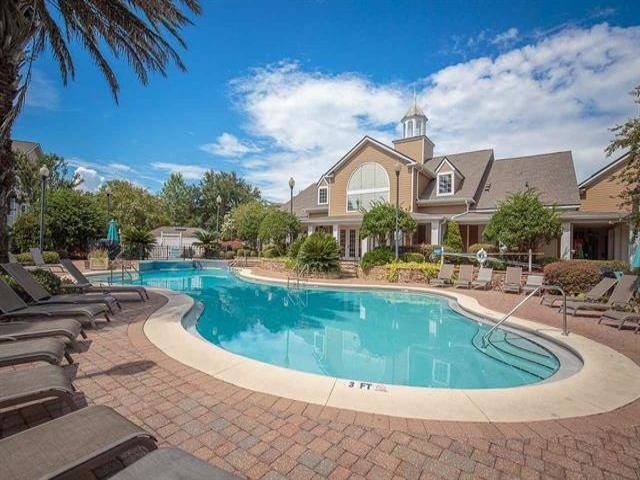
column 172, row 464
column 533, row 282
column 41, row 297
column 593, row 295
column 13, row 307
column 70, row 446
column 31, row 384
column 622, row 317
column 465, row 276
column 38, row 261
column 512, row 280
column 620, row 298
column 444, row 276
column 62, row 327
column 84, row 285
column 50, row 350
column 485, row 276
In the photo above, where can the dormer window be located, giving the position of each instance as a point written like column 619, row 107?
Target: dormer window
column 323, row 195
column 445, row 183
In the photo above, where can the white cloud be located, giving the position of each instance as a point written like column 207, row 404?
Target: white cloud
column 42, row 93
column 190, row 172
column 561, row 93
column 506, row 38
column 120, row 166
column 227, row 145
column 91, row 179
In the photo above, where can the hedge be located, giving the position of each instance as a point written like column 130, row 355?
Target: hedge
column 412, row 257
column 574, row 276
column 487, row 247
column 50, row 281
column 49, row 257
column 429, row 270
column 377, row 257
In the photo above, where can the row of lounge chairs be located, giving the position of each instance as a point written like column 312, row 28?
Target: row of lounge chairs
column 72, row 445
column 613, row 309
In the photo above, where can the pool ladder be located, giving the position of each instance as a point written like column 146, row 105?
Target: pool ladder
column 486, row 337
column 299, row 272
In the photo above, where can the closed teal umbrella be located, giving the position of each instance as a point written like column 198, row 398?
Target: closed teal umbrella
column 635, row 261
column 112, row 232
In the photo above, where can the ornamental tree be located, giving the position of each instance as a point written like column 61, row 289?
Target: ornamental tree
column 246, row 219
column 627, row 138
column 452, row 237
column 276, row 225
column 522, row 222
column 380, row 221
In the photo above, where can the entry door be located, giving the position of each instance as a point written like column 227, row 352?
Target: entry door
column 352, row 243
column 343, row 242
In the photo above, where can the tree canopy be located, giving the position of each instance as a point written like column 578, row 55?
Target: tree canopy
column 627, row 138
column 380, row 221
column 180, row 200
column 522, row 222
column 28, row 180
column 245, row 221
column 133, row 206
column 277, row 225
column 233, row 191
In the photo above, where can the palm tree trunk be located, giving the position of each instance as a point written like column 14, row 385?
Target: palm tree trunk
column 9, row 78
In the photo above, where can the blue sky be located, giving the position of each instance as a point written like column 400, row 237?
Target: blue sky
column 275, row 89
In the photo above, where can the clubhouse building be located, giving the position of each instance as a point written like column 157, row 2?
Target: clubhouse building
column 466, row 187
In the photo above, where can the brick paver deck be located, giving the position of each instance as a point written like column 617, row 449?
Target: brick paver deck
column 262, row 436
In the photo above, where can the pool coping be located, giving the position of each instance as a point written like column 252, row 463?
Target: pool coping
column 607, row 381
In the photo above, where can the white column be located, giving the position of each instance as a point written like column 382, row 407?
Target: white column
column 435, row 233
column 565, row 241
column 336, row 232
column 309, row 229
column 363, row 246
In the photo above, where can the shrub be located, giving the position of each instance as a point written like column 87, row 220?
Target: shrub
column 49, row 257
column 50, row 281
column 377, row 257
column 320, row 253
column 253, row 253
column 574, row 276
column 426, row 249
column 615, row 265
column 412, row 257
column 229, row 255
column 452, row 237
column 294, row 248
column 428, row 270
column 26, row 232
column 271, row 250
column 487, row 247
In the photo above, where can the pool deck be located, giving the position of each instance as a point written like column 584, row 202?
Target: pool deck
column 264, row 436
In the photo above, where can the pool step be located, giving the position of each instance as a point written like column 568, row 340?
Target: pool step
column 516, row 351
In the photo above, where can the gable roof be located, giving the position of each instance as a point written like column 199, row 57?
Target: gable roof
column 551, row 174
column 470, row 165
column 367, row 140
column 445, row 160
column 606, row 170
column 31, row 150
column 304, row 200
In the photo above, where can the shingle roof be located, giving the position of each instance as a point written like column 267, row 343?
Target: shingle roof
column 551, row 174
column 307, row 198
column 471, row 165
column 30, row 149
column 185, row 231
column 414, row 111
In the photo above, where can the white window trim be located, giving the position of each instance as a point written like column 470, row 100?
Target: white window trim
column 386, row 189
column 453, row 184
column 323, row 188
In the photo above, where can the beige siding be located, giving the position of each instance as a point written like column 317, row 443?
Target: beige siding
column 442, row 209
column 369, row 153
column 603, row 196
column 412, row 149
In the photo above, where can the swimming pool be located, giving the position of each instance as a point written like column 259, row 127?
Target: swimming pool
column 381, row 337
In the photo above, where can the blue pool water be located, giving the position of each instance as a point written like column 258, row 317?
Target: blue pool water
column 373, row 336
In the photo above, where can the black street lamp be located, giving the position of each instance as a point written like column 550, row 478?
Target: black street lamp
column 107, row 191
column 292, row 184
column 44, row 174
column 218, row 202
column 397, row 235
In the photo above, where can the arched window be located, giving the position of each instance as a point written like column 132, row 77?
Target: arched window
column 368, row 183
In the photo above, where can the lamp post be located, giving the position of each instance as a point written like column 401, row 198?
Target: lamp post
column 218, row 202
column 398, row 167
column 107, row 191
column 44, row 174
column 292, row 184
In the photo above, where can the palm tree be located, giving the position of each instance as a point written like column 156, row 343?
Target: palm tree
column 208, row 241
column 135, row 29
column 138, row 243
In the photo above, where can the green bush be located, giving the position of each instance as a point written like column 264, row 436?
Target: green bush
column 320, row 253
column 229, row 255
column 428, row 270
column 426, row 249
column 271, row 251
column 412, row 257
column 574, row 276
column 377, row 257
column 452, row 237
column 487, row 247
column 49, row 257
column 253, row 253
column 294, row 248
column 615, row 265
column 26, row 232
